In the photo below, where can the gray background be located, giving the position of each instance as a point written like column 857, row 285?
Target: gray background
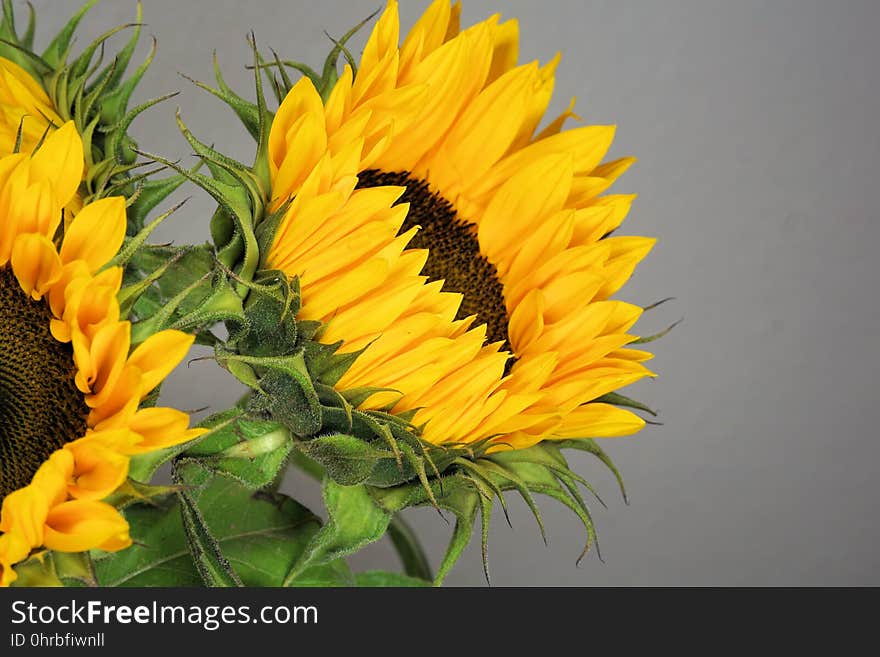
column 755, row 125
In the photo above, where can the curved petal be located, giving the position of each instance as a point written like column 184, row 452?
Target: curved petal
column 60, row 160
column 96, row 233
column 99, row 469
column 36, row 264
column 160, row 428
column 158, row 355
column 83, row 525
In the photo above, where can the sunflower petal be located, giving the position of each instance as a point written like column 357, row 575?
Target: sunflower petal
column 96, row 233
column 36, row 264
column 99, row 469
column 158, row 355
column 60, row 159
column 81, row 525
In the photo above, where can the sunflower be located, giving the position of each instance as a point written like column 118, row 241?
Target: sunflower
column 463, row 251
column 70, row 382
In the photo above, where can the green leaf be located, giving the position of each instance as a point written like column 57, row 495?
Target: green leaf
column 214, row 569
column 262, row 535
column 381, row 578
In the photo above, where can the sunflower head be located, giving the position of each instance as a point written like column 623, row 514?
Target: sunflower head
column 443, row 259
column 41, row 91
column 72, row 378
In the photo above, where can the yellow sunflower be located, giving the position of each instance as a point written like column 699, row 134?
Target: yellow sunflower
column 70, row 383
column 466, row 251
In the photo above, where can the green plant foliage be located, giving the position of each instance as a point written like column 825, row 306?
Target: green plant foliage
column 259, row 535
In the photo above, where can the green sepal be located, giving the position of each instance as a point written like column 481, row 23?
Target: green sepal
column 270, row 311
column 245, row 110
column 131, row 293
column 232, row 227
column 617, row 399
column 147, row 195
column 656, row 336
column 268, row 227
column 47, row 568
column 354, row 521
column 592, row 447
column 227, row 170
column 324, row 82
column 252, row 452
column 132, row 245
column 348, row 460
column 290, row 398
column 137, row 492
column 183, row 267
column 217, row 302
column 463, row 503
column 471, row 486
column 59, row 48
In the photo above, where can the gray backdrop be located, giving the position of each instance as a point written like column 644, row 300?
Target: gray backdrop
column 753, row 122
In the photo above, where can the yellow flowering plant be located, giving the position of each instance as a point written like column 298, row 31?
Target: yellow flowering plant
column 417, row 279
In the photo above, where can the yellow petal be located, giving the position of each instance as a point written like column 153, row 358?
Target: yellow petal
column 306, row 144
column 13, row 548
column 427, row 34
column 24, row 512
column 36, row 209
column 485, row 129
column 52, row 477
column 122, row 403
column 161, row 427
column 626, row 253
column 383, row 39
column 36, row 264
column 598, row 420
column 60, row 160
column 505, row 50
column 158, row 355
column 523, row 202
column 99, row 470
column 81, row 525
column 96, row 233
column 107, row 355
column 57, row 297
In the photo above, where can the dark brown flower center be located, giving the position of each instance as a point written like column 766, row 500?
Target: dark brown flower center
column 454, row 252
column 41, row 408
